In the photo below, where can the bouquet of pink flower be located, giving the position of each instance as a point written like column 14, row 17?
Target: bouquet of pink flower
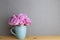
column 20, row 19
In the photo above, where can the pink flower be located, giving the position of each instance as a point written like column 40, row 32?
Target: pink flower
column 14, row 20
column 27, row 21
column 21, row 19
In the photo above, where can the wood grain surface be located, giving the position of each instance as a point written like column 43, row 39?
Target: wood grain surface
column 31, row 38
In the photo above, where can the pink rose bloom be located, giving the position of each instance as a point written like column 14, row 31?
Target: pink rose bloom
column 14, row 20
column 27, row 21
column 21, row 19
column 22, row 16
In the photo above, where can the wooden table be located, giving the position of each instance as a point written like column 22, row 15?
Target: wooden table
column 31, row 38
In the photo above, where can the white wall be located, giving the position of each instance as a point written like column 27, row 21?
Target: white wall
column 45, row 15
column 4, row 29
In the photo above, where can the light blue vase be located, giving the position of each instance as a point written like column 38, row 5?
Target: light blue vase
column 20, row 32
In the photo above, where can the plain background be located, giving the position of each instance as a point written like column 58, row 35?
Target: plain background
column 44, row 14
